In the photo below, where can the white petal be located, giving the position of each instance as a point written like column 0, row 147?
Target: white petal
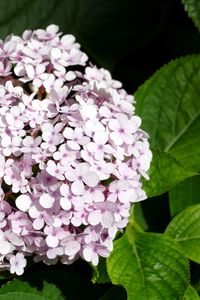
column 71, row 174
column 95, row 217
column 65, row 203
column 108, row 219
column 72, row 247
column 46, row 200
column 52, row 241
column 77, row 187
column 38, row 224
column 76, row 221
column 64, row 189
column 33, row 212
column 68, row 133
column 30, row 71
column 82, row 168
column 95, row 259
column 88, row 111
column 91, row 179
column 68, row 39
column 114, row 124
column 101, row 137
column 73, row 145
column 5, row 247
column 56, row 53
column 91, row 147
column 87, row 254
column 23, row 202
column 116, row 137
column 70, row 76
column 52, row 28
column 15, row 239
column 6, row 141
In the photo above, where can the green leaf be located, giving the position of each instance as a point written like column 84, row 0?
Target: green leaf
column 22, row 296
column 184, row 194
column 191, row 294
column 165, row 172
column 193, row 9
column 94, row 24
column 150, row 266
column 169, row 106
column 138, row 216
column 185, row 230
column 18, row 289
column 100, row 274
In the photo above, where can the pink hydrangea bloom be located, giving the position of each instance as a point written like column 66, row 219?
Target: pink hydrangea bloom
column 65, row 127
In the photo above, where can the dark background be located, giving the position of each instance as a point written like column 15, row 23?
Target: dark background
column 177, row 36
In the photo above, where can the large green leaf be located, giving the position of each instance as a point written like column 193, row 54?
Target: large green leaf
column 149, row 266
column 169, row 106
column 165, row 173
column 185, row 230
column 170, row 109
column 191, row 294
column 107, row 29
column 184, row 194
column 193, row 9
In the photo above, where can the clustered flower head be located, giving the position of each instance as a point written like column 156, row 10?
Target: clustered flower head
column 72, row 153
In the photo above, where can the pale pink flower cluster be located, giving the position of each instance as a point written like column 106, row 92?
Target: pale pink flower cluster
column 72, row 153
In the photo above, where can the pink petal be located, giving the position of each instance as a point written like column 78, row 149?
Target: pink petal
column 108, row 219
column 95, row 217
column 64, row 189
column 101, row 137
column 73, row 145
column 88, row 111
column 116, row 137
column 70, row 75
column 5, row 247
column 72, row 247
column 71, row 174
column 46, row 200
column 65, row 203
column 38, row 223
column 95, row 259
column 98, row 196
column 52, row 241
column 30, row 71
column 87, row 254
column 23, row 202
column 91, row 147
column 56, row 53
column 91, row 179
column 113, row 125
column 77, row 187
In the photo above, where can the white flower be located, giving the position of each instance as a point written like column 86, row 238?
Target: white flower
column 17, row 264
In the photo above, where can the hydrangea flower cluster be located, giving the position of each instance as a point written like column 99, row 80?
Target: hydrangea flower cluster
column 72, row 153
